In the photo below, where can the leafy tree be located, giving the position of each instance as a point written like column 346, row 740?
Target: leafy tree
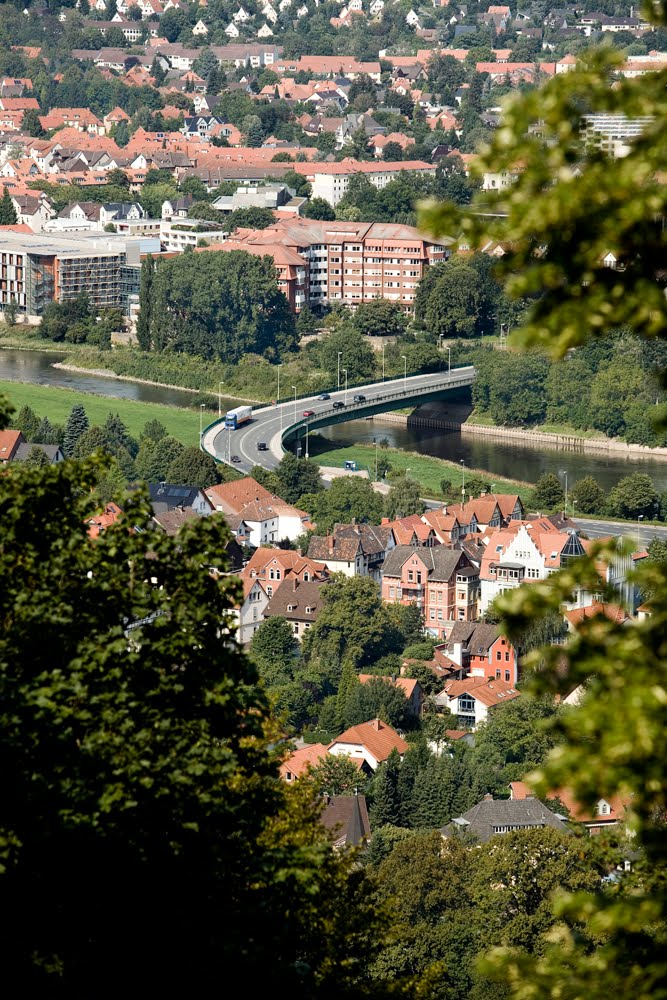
column 158, row 780
column 37, row 458
column 297, row 477
column 11, row 312
column 77, row 424
column 348, row 497
column 448, row 299
column 632, row 496
column 403, row 499
column 193, row 467
column 220, row 305
column 8, row 216
column 378, row 698
column 547, row 493
column 249, row 218
column 153, row 430
column 28, row 423
column 273, row 649
column 357, row 356
column 379, row 318
column 353, row 624
column 588, row 496
column 319, row 208
column 154, row 458
column 393, row 152
column 336, row 774
column 143, row 330
column 92, row 440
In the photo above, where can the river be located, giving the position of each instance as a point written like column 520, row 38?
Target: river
column 499, row 458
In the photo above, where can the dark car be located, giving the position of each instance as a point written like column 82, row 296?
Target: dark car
column 359, row 397
column 309, row 413
column 262, row 446
column 338, row 405
column 236, row 458
column 324, row 395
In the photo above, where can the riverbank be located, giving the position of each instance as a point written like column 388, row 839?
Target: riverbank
column 56, row 404
column 107, row 373
column 562, row 440
column 429, row 472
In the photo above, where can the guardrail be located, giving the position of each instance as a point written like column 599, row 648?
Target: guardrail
column 356, row 385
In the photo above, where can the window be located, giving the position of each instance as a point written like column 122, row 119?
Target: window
column 295, row 628
column 603, row 808
column 499, row 655
column 497, row 675
column 466, row 703
column 411, row 576
column 507, row 657
column 309, row 610
column 507, row 676
column 392, row 592
column 432, row 614
column 290, row 607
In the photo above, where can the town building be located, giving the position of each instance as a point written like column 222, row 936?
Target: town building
column 371, row 741
column 440, row 581
column 492, row 816
column 353, row 549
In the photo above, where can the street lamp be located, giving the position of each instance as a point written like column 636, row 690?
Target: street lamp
column 201, row 421
column 463, row 485
column 405, row 372
column 340, row 354
column 376, row 459
column 278, row 396
column 563, row 472
column 220, row 384
column 383, row 362
column 294, row 387
column 345, row 374
column 640, row 517
column 307, row 455
column 449, row 362
column 229, row 443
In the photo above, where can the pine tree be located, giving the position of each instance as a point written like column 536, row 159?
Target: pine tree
column 27, row 422
column 46, row 433
column 385, row 809
column 145, row 304
column 8, row 214
column 348, row 682
column 77, row 424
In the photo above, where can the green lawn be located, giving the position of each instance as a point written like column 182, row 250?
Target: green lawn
column 426, row 470
column 56, row 404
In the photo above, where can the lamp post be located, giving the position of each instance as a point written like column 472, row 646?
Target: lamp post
column 278, row 396
column 563, row 472
column 201, row 421
column 294, row 387
column 229, row 443
column 463, row 485
column 220, row 385
column 340, row 354
column 405, row 372
column 307, row 455
column 383, row 362
column 449, row 362
column 345, row 374
column 640, row 517
column 376, row 459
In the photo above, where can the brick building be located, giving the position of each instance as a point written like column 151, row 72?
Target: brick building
column 442, row 582
column 350, row 262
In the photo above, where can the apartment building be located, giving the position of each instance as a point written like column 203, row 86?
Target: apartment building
column 331, row 180
column 442, row 582
column 38, row 269
column 350, row 262
column 613, row 134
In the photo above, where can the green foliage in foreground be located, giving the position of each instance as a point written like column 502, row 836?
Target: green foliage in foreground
column 144, row 831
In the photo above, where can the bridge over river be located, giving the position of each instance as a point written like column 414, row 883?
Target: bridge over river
column 285, row 423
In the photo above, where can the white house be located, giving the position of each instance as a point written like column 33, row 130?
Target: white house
column 371, row 741
column 232, row 31
column 376, row 7
column 264, row 31
column 472, row 698
column 412, row 19
column 270, row 13
column 240, row 16
column 200, row 29
column 249, row 615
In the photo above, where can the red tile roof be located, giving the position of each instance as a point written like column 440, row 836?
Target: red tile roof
column 376, row 736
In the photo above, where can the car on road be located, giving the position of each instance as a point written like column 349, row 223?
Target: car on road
column 309, row 413
column 339, row 404
column 324, row 395
column 262, row 446
column 359, row 397
column 236, row 458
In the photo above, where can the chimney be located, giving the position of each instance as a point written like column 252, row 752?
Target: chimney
column 375, row 723
column 488, row 797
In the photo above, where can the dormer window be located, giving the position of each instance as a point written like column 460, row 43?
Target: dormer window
column 309, row 610
column 603, row 808
column 290, row 607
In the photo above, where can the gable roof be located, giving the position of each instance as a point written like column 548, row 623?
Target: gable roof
column 441, row 562
column 297, row 600
column 299, row 761
column 377, row 737
column 346, row 818
column 233, row 497
column 9, row 442
column 488, row 691
column 487, row 816
column 171, row 521
column 169, row 495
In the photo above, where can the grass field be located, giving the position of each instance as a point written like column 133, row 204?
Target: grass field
column 426, row 470
column 56, row 404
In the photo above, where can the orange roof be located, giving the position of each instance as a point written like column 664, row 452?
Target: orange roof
column 234, row 496
column 611, row 611
column 489, row 691
column 99, row 523
column 583, row 814
column 302, row 760
column 376, row 736
column 9, row 442
column 407, row 684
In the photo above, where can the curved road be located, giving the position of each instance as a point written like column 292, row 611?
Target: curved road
column 271, row 424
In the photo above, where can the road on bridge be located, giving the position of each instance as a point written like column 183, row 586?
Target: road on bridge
column 270, row 424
